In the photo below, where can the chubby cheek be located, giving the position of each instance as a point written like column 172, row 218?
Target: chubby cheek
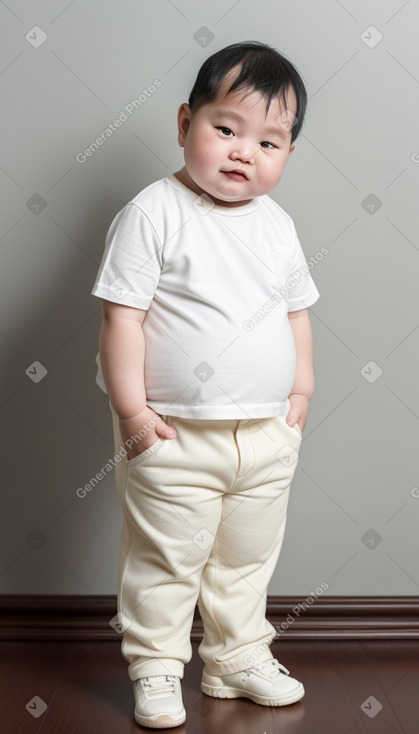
column 202, row 151
column 271, row 174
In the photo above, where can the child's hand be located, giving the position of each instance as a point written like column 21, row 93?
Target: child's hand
column 141, row 431
column 298, row 411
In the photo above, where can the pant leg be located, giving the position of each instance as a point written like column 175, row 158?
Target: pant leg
column 232, row 599
column 171, row 497
column 120, row 478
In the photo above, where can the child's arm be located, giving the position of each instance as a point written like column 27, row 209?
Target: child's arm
column 303, row 388
column 122, row 349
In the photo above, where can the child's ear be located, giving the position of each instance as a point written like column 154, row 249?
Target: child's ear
column 291, row 150
column 183, row 122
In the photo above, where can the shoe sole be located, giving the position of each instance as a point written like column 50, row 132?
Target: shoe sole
column 229, row 692
column 161, row 721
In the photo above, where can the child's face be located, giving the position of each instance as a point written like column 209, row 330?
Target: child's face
column 216, row 142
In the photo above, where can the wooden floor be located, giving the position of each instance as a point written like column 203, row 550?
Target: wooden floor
column 351, row 687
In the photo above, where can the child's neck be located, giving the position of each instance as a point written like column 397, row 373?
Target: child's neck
column 184, row 177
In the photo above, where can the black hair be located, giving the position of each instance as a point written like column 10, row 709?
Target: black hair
column 263, row 69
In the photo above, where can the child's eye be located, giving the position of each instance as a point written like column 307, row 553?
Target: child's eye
column 225, row 128
column 227, row 132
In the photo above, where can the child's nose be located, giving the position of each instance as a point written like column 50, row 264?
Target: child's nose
column 244, row 150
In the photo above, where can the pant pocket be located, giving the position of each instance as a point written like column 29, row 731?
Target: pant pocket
column 151, row 450
column 140, row 458
column 296, row 430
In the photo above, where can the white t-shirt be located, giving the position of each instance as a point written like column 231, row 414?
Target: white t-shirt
column 216, row 284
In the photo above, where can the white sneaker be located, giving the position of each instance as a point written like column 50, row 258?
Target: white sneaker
column 158, row 701
column 264, row 684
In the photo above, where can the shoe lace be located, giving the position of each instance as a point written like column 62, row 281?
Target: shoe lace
column 155, row 685
column 272, row 668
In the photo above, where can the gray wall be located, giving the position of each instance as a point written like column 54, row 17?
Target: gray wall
column 351, row 186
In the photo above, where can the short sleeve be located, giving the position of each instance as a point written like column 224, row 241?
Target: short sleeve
column 302, row 291
column 132, row 261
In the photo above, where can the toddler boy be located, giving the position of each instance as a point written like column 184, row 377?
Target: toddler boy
column 205, row 353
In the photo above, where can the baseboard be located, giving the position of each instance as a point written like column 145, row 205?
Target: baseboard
column 34, row 617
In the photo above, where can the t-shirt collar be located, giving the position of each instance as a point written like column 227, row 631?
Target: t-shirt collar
column 229, row 211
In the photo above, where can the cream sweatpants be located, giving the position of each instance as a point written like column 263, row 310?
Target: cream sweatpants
column 204, row 519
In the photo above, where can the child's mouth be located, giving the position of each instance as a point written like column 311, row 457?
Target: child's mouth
column 235, row 176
